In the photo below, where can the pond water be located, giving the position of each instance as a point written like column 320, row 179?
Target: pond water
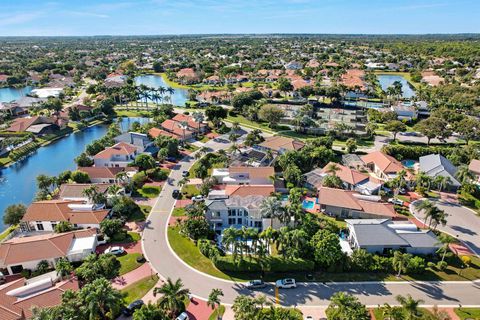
column 387, row 80
column 11, row 94
column 17, row 182
column 178, row 98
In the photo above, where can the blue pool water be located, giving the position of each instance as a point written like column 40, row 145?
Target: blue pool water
column 307, row 204
column 408, row 163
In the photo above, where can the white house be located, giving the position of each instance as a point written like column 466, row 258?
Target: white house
column 120, row 155
column 244, row 175
column 26, row 252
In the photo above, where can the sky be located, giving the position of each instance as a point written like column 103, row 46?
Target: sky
column 159, row 17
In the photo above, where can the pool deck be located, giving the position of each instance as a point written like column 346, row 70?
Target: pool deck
column 316, row 206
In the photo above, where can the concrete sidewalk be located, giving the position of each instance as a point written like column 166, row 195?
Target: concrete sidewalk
column 133, row 276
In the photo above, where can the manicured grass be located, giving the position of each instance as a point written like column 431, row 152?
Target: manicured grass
column 188, row 252
column 217, row 312
column 134, row 236
column 466, row 313
column 132, row 113
column 178, row 212
column 129, row 262
column 142, row 214
column 139, row 289
column 149, row 191
column 250, row 124
column 190, row 190
column 5, row 233
column 378, row 312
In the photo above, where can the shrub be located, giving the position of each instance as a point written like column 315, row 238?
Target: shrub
column 442, row 265
column 416, row 265
column 157, row 174
column 273, row 264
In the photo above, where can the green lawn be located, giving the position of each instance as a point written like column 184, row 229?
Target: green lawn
column 466, row 313
column 139, row 289
column 149, row 191
column 217, row 312
column 378, row 312
column 190, row 190
column 178, row 212
column 132, row 113
column 250, row 124
column 129, row 262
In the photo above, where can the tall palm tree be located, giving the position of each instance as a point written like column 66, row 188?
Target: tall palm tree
column 199, row 117
column 173, row 296
column 114, row 189
column 400, row 261
column 100, row 299
column 464, row 175
column 184, row 126
column 229, row 240
column 271, row 208
column 214, row 299
column 427, row 207
column 410, row 306
column 445, row 240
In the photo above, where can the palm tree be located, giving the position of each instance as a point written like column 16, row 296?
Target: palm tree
column 271, row 208
column 173, row 297
column 184, row 126
column 100, row 299
column 410, row 306
column 400, row 261
column 149, row 311
column 63, row 267
column 442, row 182
column 464, row 175
column 183, row 181
column 427, row 206
column 199, row 117
column 332, row 169
column 392, row 313
column 91, row 193
column 445, row 240
column 229, row 239
column 114, row 189
column 214, row 299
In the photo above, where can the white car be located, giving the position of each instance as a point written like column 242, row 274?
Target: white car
column 396, row 201
column 286, row 283
column 182, row 316
column 116, row 251
column 197, row 198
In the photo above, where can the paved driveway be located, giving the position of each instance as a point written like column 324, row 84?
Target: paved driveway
column 461, row 223
column 167, row 264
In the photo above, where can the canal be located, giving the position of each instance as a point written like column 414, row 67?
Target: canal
column 387, row 80
column 178, row 98
column 18, row 181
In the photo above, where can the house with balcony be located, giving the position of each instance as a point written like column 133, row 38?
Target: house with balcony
column 119, row 155
column 244, row 175
column 143, row 143
column 383, row 166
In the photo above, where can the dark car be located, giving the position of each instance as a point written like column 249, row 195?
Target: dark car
column 185, row 174
column 130, row 309
column 176, row 193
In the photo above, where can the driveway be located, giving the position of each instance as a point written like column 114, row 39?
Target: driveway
column 462, row 223
column 167, row 264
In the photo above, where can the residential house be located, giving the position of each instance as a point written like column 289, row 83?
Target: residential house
column 45, row 215
column 19, row 297
column 180, row 131
column 280, row 144
column 75, row 191
column 474, row 168
column 351, row 179
column 197, row 127
column 383, row 235
column 108, row 174
column 143, row 143
column 187, row 76
column 435, row 165
column 350, row 204
column 383, row 166
column 119, row 155
column 115, row 80
column 223, row 212
column 21, row 253
column 354, row 79
column 293, row 65
column 37, row 125
column 405, row 111
column 244, row 175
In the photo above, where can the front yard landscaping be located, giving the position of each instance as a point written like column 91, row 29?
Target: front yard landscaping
column 468, row 313
column 139, row 289
column 149, row 191
column 217, row 313
column 129, row 262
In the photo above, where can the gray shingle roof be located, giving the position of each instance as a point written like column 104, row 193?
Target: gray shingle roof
column 377, row 235
column 437, row 165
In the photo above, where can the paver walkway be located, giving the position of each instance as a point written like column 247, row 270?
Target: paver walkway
column 133, row 276
column 198, row 310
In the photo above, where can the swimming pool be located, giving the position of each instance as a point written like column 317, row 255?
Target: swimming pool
column 409, row 163
column 308, row 204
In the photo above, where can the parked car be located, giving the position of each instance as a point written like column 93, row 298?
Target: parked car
column 308, row 318
column 185, row 174
column 255, row 284
column 396, row 201
column 135, row 305
column 197, row 198
column 176, row 193
column 116, row 250
column 3, row 279
column 183, row 316
column 286, row 283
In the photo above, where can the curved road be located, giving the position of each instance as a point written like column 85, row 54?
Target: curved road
column 167, row 264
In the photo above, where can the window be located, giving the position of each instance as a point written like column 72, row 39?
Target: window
column 231, row 221
column 40, row 226
column 239, row 221
column 229, row 212
column 54, row 224
column 258, row 224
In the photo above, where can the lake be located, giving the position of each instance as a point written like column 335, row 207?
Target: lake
column 11, row 94
column 179, row 97
column 387, row 80
column 17, row 182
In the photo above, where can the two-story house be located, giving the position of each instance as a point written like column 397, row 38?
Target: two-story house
column 119, row 155
column 383, row 166
column 143, row 143
column 244, row 175
column 109, row 174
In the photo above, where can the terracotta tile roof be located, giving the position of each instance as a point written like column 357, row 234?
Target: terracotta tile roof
column 35, row 248
column 13, row 308
column 121, row 148
column 174, row 127
column 190, row 120
column 277, row 143
column 186, row 73
column 354, row 78
column 254, row 172
column 338, row 198
column 384, row 162
column 474, row 166
column 104, row 172
column 58, row 210
column 346, row 174
column 379, row 208
column 155, row 132
column 22, row 124
column 247, row 190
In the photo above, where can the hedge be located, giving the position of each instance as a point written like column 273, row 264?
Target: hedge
column 272, row 264
column 23, row 151
column 458, row 155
